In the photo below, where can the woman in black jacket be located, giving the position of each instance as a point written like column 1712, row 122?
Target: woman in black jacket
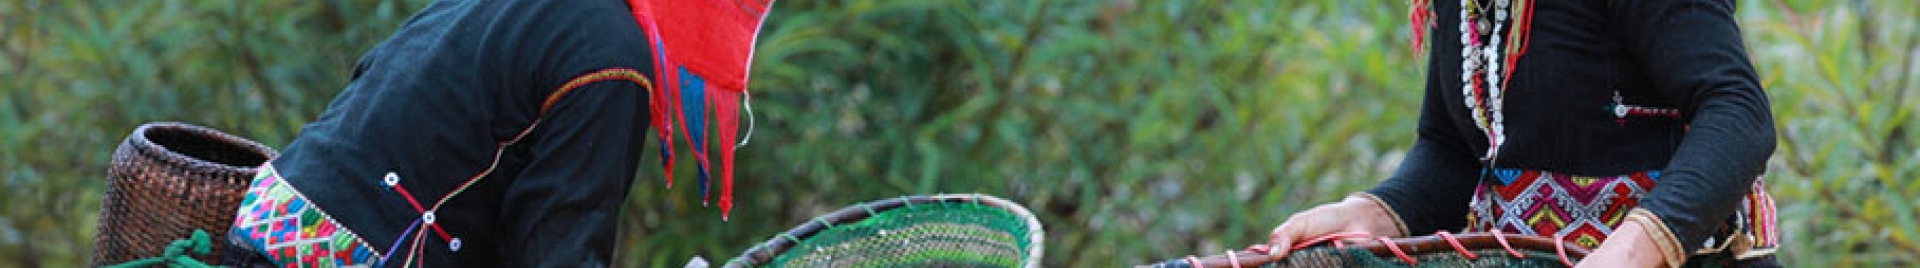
column 1634, row 126
column 483, row 133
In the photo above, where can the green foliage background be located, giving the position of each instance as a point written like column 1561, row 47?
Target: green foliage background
column 1139, row 130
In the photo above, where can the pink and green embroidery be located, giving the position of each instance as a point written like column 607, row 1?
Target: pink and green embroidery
column 274, row 219
column 1584, row 209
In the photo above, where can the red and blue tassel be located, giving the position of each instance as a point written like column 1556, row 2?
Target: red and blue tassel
column 693, row 111
column 701, row 52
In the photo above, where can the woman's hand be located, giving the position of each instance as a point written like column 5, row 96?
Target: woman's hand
column 1355, row 214
column 1628, row 246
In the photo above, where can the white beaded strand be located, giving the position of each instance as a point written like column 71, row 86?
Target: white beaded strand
column 1484, row 60
column 1468, row 65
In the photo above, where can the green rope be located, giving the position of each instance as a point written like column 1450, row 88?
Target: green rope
column 179, row 254
column 823, row 222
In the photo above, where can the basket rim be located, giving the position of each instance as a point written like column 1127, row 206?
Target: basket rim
column 1413, row 245
column 773, row 247
column 143, row 145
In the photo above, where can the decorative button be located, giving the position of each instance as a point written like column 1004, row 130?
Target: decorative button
column 391, row 179
column 454, row 245
column 427, row 217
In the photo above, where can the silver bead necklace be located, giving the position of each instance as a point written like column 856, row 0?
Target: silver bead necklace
column 1482, row 60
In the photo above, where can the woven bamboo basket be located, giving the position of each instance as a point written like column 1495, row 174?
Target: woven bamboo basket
column 951, row 230
column 167, row 180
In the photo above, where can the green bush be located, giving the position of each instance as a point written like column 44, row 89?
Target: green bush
column 1139, row 130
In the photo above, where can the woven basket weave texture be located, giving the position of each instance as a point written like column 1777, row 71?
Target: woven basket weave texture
column 168, row 179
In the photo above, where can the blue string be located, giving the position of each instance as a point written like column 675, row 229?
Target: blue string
column 396, row 243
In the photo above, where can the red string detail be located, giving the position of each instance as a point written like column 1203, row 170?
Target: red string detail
column 417, row 208
column 1523, row 27
column 1329, row 237
column 1456, row 245
column 1480, row 88
column 1396, row 251
column 1260, row 248
column 1233, row 259
column 1560, row 247
column 442, row 232
column 1497, row 236
column 409, row 197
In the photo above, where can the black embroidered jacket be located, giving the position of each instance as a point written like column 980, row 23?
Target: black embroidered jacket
column 470, row 93
column 1560, row 116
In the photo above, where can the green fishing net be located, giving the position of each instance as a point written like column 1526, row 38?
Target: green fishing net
column 945, row 234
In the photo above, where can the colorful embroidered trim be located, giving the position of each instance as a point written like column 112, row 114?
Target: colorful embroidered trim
column 1581, row 209
column 1584, row 209
column 608, row 74
column 276, row 220
column 1760, row 209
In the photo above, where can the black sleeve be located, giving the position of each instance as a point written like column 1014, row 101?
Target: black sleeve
column 1693, row 53
column 1431, row 189
column 563, row 209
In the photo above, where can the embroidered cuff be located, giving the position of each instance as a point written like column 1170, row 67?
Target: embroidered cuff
column 1662, row 236
column 1395, row 216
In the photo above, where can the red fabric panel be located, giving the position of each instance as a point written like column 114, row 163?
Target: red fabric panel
column 713, row 38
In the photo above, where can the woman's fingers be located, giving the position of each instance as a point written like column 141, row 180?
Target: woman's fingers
column 1299, row 227
column 1318, row 221
column 1281, row 240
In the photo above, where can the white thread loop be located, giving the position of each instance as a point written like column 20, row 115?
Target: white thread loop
column 746, row 101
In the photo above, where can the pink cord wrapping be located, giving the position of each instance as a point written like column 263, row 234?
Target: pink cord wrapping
column 1330, row 237
column 1233, row 259
column 1561, row 248
column 1195, row 262
column 1396, row 251
column 1503, row 244
column 1456, row 245
column 1260, row 248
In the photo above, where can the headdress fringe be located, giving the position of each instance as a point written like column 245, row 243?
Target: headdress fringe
column 702, row 49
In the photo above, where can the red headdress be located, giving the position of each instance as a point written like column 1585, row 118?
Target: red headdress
column 701, row 52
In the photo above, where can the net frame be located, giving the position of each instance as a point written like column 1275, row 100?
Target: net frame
column 1401, row 250
column 766, row 253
